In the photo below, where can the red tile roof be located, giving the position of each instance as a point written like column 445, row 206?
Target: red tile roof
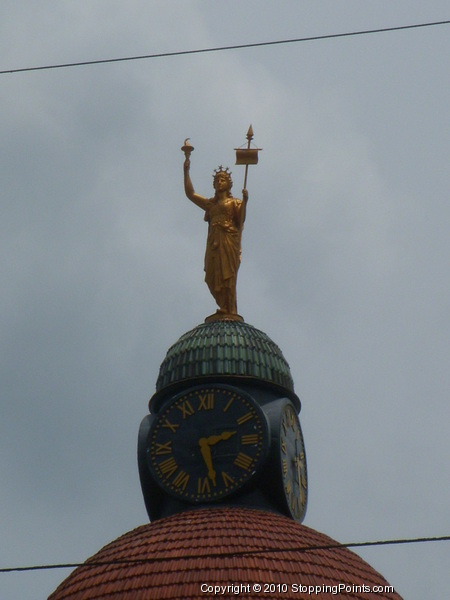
column 220, row 546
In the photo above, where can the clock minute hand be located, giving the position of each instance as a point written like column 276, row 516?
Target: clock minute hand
column 206, row 453
column 205, row 448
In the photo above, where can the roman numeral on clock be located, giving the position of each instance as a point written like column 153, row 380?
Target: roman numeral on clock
column 206, row 401
column 243, row 461
column 181, row 480
column 249, row 439
column 186, row 409
column 168, row 425
column 295, row 505
column 203, row 485
column 291, row 420
column 229, row 403
column 244, row 418
column 168, row 466
column 165, row 448
column 227, row 479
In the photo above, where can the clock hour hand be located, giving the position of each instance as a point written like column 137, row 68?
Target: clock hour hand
column 298, row 463
column 214, row 439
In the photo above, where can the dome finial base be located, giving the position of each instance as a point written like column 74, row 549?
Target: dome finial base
column 220, row 315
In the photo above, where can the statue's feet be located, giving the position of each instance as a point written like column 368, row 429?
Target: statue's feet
column 223, row 315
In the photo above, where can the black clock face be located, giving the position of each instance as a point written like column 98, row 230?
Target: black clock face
column 207, row 443
column 293, row 463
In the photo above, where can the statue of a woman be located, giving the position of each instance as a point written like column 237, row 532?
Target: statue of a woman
column 225, row 216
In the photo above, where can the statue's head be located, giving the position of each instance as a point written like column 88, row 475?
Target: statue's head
column 222, row 179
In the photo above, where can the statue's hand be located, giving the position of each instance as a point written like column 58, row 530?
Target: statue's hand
column 244, row 195
column 187, row 164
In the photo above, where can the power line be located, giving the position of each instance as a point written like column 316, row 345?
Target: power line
column 222, row 48
column 131, row 561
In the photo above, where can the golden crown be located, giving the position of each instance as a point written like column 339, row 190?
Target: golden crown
column 220, row 170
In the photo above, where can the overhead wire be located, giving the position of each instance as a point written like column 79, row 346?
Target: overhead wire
column 223, row 48
column 156, row 559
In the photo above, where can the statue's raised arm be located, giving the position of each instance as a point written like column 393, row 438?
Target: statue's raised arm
column 188, row 187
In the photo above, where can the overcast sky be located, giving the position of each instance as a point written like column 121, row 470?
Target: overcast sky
column 345, row 258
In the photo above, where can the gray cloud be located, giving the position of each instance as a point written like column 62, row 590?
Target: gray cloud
column 345, row 259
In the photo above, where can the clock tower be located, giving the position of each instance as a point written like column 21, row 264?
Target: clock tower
column 222, row 461
column 223, row 426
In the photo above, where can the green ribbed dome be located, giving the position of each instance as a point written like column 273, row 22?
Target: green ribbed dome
column 225, row 349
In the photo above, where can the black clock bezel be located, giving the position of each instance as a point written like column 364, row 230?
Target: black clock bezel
column 283, row 462
column 227, row 454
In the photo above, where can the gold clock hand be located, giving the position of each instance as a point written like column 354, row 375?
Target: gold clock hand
column 298, row 462
column 214, row 439
column 206, row 453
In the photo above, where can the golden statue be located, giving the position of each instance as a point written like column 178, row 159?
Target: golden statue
column 225, row 216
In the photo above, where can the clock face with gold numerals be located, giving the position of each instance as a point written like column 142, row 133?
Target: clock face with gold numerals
column 293, row 463
column 207, row 443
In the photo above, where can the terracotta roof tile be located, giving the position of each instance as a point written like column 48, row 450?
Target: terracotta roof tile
column 183, row 551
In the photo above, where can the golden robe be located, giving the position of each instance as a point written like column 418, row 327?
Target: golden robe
column 223, row 250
